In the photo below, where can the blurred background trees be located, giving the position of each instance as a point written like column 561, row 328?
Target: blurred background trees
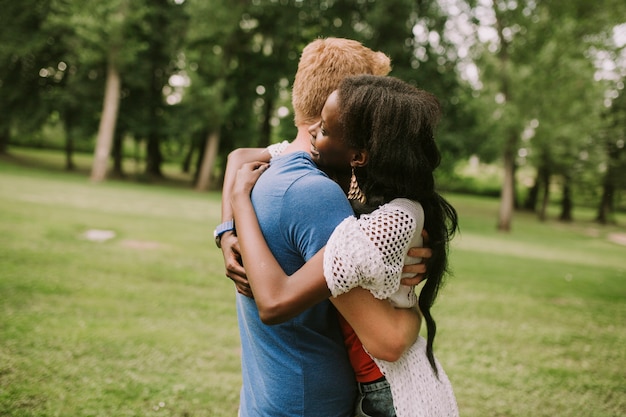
column 534, row 88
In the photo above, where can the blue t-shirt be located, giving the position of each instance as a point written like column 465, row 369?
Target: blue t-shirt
column 300, row 367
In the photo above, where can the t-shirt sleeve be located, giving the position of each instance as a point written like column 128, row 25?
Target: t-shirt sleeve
column 316, row 205
column 369, row 252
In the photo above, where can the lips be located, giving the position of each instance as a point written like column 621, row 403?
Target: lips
column 314, row 150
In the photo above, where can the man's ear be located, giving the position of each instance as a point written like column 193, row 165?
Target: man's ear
column 360, row 158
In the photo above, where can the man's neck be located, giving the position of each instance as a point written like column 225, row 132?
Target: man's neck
column 302, row 142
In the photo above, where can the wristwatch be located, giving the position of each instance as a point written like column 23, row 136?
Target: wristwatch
column 221, row 229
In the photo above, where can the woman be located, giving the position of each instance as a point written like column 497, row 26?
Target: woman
column 382, row 129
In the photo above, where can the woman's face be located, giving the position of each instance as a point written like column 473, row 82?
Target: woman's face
column 328, row 148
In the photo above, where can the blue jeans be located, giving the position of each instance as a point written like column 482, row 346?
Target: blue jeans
column 375, row 400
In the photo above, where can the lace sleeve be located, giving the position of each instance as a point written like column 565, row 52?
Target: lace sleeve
column 369, row 252
column 277, row 148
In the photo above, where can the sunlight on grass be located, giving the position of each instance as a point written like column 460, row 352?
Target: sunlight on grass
column 543, row 250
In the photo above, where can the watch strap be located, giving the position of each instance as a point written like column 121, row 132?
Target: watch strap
column 221, row 229
column 224, row 227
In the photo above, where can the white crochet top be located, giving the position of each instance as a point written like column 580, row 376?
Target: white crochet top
column 369, row 252
column 276, row 149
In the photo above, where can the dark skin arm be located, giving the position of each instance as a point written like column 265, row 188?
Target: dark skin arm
column 229, row 241
column 384, row 330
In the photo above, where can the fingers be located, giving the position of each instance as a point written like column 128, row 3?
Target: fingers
column 417, row 270
column 241, row 283
column 244, row 290
column 234, row 267
column 235, row 270
column 245, row 293
column 256, row 167
column 246, row 177
column 423, row 253
column 412, row 281
column 414, row 269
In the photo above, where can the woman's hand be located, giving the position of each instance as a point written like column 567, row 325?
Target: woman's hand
column 245, row 179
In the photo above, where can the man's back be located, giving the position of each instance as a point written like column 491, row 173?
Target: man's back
column 300, row 367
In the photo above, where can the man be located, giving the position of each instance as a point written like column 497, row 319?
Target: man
column 298, row 367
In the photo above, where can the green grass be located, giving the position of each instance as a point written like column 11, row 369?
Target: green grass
column 532, row 323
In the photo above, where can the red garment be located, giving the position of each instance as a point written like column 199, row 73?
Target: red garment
column 365, row 370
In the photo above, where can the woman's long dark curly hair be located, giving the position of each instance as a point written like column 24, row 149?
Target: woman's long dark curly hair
column 395, row 122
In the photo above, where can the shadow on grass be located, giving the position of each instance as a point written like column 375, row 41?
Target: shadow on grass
column 54, row 161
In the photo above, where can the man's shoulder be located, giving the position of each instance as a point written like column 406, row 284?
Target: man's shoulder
column 318, row 189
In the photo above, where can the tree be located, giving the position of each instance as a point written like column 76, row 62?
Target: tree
column 159, row 26
column 211, row 55
column 265, row 44
column 106, row 131
column 24, row 53
column 614, row 140
column 519, row 63
column 99, row 28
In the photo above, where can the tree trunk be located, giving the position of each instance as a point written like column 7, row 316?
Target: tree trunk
column 266, row 127
column 606, row 201
column 186, row 165
column 516, row 203
column 609, row 184
column 566, row 202
column 202, row 145
column 507, row 197
column 197, row 145
column 208, row 161
column 5, row 136
column 153, row 156
column 545, row 180
column 107, row 121
column 118, row 155
column 530, row 204
column 506, row 194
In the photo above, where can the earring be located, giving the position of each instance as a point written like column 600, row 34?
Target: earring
column 355, row 192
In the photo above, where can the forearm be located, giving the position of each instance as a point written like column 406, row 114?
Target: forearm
column 228, row 241
column 278, row 296
column 385, row 331
column 236, row 159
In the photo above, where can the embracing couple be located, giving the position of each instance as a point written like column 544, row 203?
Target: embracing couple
column 329, row 228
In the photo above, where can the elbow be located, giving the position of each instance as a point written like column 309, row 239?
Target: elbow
column 394, row 345
column 272, row 313
column 396, row 352
column 389, row 351
column 236, row 156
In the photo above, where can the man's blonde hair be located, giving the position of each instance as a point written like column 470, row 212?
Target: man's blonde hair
column 323, row 64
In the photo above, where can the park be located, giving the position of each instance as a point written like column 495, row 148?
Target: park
column 143, row 321
column 116, row 121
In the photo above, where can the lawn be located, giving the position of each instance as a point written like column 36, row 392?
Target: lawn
column 531, row 323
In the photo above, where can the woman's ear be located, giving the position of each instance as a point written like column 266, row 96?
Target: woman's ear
column 360, row 158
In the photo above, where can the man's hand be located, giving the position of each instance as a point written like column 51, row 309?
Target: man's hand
column 418, row 270
column 234, row 267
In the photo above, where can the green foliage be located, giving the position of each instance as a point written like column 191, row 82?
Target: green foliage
column 193, row 67
column 22, row 55
column 145, row 323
